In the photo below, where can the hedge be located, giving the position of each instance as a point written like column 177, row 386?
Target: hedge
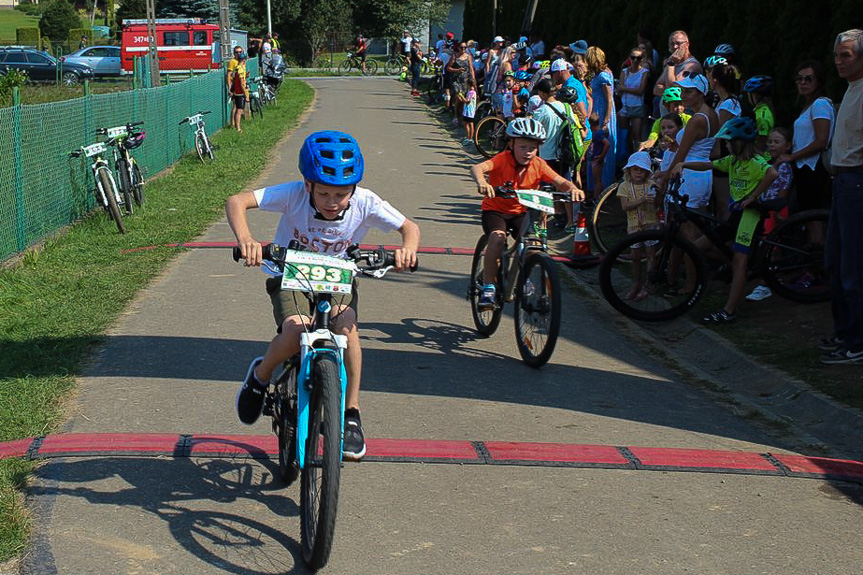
column 27, row 36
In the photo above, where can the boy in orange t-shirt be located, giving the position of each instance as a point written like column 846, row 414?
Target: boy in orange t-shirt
column 520, row 168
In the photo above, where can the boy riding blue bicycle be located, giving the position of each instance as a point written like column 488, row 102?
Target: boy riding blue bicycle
column 326, row 212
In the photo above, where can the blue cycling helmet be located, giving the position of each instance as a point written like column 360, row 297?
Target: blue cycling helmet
column 713, row 61
column 331, row 158
column 738, row 129
column 523, row 75
column 759, row 84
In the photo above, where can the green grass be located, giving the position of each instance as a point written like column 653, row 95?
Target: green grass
column 12, row 19
column 57, row 302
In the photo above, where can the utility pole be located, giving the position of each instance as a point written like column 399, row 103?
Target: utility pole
column 494, row 19
column 152, row 53
column 529, row 13
column 269, row 19
column 225, row 31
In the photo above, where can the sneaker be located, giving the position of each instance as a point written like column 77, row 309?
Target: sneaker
column 759, row 293
column 486, row 296
column 354, row 442
column 842, row 355
column 829, row 344
column 719, row 316
column 570, row 229
column 466, row 142
column 250, row 398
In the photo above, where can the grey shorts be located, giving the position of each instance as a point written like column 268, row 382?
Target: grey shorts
column 632, row 112
column 289, row 303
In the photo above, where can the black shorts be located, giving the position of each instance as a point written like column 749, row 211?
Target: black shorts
column 289, row 303
column 498, row 221
column 239, row 102
column 361, row 56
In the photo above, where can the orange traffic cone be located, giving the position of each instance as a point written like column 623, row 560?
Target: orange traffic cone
column 581, row 255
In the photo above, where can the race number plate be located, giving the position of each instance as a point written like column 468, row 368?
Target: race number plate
column 310, row 272
column 117, row 132
column 95, row 149
column 536, row 200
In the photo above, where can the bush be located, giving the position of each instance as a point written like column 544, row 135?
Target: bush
column 11, row 79
column 27, row 36
column 30, row 8
column 58, row 18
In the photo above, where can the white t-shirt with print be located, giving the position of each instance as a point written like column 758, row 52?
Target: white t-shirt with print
column 329, row 237
column 804, row 129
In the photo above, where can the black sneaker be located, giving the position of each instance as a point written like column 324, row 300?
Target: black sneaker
column 842, row 356
column 832, row 343
column 250, row 398
column 354, row 443
column 719, row 317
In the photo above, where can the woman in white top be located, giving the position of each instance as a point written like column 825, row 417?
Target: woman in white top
column 633, row 83
column 724, row 79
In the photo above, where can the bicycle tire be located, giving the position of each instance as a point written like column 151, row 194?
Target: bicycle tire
column 487, row 320
column 256, row 107
column 790, row 265
column 200, row 147
column 608, row 221
column 286, row 420
column 665, row 297
column 319, row 483
column 121, row 168
column 371, row 68
column 483, row 110
column 490, row 136
column 209, row 148
column 109, row 189
column 392, row 67
column 346, row 66
column 434, row 92
column 537, row 309
column 137, row 184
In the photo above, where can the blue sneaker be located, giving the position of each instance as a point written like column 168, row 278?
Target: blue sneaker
column 486, row 296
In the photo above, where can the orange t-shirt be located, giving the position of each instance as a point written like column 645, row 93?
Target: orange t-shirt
column 527, row 178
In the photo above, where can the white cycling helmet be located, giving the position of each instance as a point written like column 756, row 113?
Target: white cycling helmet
column 526, row 128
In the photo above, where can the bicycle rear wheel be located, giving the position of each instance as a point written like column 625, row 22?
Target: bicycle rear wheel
column 490, row 137
column 137, row 184
column 793, row 266
column 109, row 189
column 649, row 278
column 286, row 420
column 256, row 107
column 371, row 68
column 122, row 168
column 485, row 320
column 393, row 66
column 608, row 221
column 319, row 484
column 346, row 66
column 537, row 309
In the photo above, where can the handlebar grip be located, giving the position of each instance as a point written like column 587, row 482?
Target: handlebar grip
column 76, row 154
column 183, row 121
column 101, row 131
column 207, row 112
column 237, row 254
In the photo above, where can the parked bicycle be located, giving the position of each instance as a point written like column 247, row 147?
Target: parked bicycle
column 436, row 85
column 396, row 62
column 526, row 275
column 672, row 272
column 202, row 142
column 307, row 397
column 124, row 139
column 107, row 193
column 490, row 135
column 256, row 97
column 353, row 62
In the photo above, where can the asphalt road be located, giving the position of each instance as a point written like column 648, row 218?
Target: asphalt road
column 173, row 362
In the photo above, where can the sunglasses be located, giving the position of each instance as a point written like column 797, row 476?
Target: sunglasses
column 804, row 79
column 634, row 57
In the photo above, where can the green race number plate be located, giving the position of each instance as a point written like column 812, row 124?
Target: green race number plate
column 536, row 200
column 310, row 272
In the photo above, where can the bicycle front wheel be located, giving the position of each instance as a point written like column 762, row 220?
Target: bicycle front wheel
column 256, row 107
column 650, row 278
column 486, row 320
column 122, row 169
column 490, row 136
column 319, row 484
column 393, row 66
column 791, row 263
column 608, row 221
column 137, row 184
column 537, row 309
column 346, row 66
column 109, row 189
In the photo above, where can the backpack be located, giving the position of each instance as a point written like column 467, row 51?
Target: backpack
column 571, row 140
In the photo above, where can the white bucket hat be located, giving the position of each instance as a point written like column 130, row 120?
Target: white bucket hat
column 638, row 160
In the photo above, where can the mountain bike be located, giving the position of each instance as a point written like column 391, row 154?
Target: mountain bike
column 306, row 399
column 202, row 141
column 107, row 193
column 352, row 61
column 396, row 62
column 124, row 139
column 526, row 275
column 436, row 85
column 673, row 271
column 256, row 97
column 266, row 91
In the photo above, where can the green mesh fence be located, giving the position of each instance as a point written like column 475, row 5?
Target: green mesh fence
column 42, row 190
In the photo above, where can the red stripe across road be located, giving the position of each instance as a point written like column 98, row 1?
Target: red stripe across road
column 442, row 451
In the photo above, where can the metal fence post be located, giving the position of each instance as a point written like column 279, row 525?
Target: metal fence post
column 18, row 173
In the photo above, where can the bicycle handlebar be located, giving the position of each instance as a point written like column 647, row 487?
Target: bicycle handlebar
column 508, row 192
column 377, row 259
column 184, row 120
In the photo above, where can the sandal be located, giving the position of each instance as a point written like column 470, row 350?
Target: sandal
column 719, row 317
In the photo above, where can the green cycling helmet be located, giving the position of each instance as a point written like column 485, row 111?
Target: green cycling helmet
column 671, row 95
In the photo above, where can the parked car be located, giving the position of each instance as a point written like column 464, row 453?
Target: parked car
column 105, row 60
column 42, row 66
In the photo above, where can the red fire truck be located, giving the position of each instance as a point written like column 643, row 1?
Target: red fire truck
column 183, row 44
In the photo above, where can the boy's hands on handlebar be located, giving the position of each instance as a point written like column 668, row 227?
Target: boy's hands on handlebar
column 251, row 251
column 485, row 189
column 406, row 258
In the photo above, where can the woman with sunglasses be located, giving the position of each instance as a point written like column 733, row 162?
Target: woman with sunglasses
column 633, row 83
column 812, row 132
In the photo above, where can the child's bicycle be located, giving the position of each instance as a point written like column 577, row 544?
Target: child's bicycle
column 202, row 141
column 123, row 139
column 526, row 275
column 307, row 398
column 107, row 193
column 674, row 276
column 352, row 61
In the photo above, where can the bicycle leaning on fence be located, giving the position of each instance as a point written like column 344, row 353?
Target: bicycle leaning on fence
column 107, row 193
column 123, row 140
column 672, row 272
column 526, row 275
column 307, row 398
column 202, row 142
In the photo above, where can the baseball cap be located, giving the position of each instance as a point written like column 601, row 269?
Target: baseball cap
column 523, row 39
column 534, row 103
column 498, row 39
column 450, row 36
column 579, row 47
column 638, row 160
column 560, row 64
column 697, row 81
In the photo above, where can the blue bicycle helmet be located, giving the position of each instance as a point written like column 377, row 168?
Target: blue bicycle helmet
column 738, row 129
column 759, row 84
column 523, row 75
column 331, row 158
column 713, row 61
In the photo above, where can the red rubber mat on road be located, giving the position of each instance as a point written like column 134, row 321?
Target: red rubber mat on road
column 802, row 466
column 17, row 448
column 420, row 450
column 551, row 453
column 702, row 460
column 113, row 443
column 259, row 446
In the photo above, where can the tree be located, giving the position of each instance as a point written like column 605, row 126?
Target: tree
column 389, row 18
column 321, row 17
column 131, row 9
column 58, row 18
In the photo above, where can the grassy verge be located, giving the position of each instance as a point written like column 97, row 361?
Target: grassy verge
column 58, row 301
column 10, row 21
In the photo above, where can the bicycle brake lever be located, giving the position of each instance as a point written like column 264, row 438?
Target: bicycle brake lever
column 378, row 273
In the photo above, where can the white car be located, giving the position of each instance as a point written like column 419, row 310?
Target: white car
column 104, row 60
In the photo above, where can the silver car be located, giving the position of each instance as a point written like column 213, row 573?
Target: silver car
column 104, row 60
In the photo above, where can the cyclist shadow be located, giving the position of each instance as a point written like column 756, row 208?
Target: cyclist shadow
column 225, row 512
